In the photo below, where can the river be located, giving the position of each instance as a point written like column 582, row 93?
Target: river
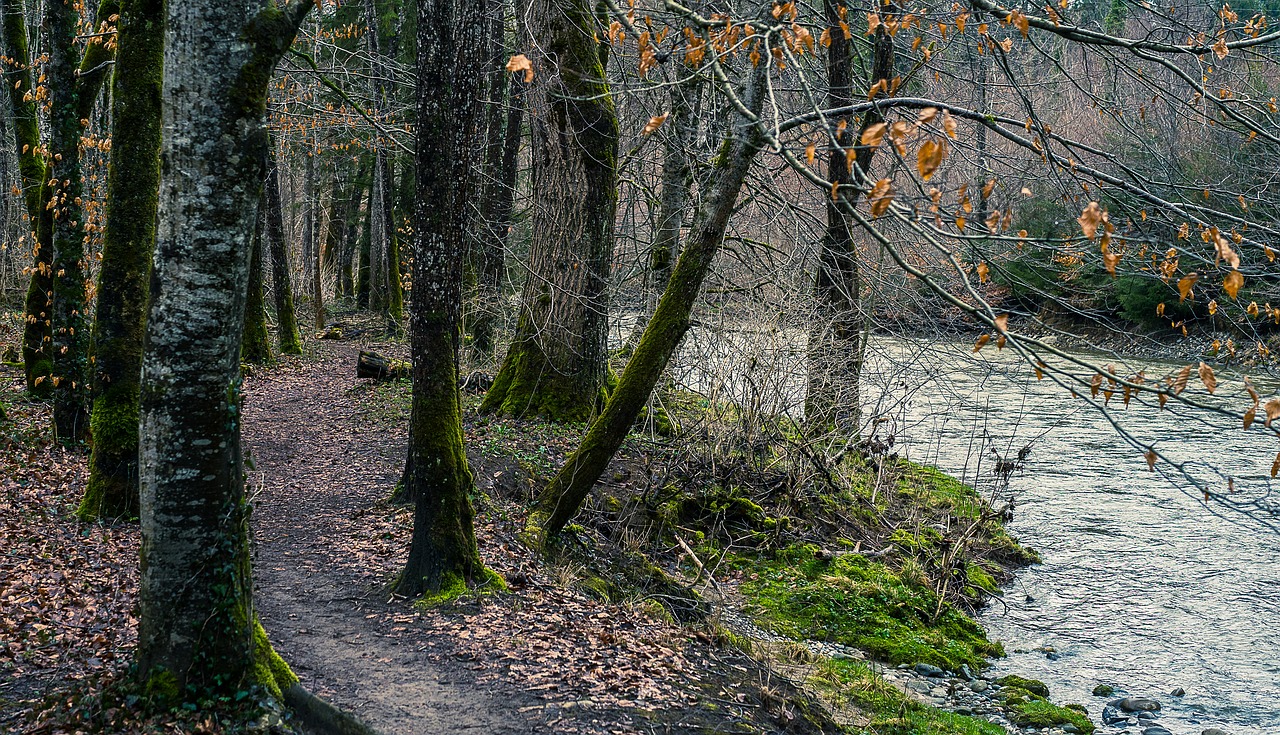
column 1144, row 586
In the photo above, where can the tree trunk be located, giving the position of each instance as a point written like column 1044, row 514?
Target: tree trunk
column 133, row 183
column 443, row 558
column 561, row 499
column 839, row 330
column 255, row 346
column 555, row 366
column 365, row 277
column 73, row 91
column 281, row 282
column 677, row 179
column 315, row 261
column 197, row 628
column 36, row 332
column 489, row 238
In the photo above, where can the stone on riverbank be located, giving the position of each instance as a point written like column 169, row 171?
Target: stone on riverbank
column 1031, row 685
column 1136, row 704
column 1103, row 690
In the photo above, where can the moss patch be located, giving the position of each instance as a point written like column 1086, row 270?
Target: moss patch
column 1042, row 713
column 453, row 587
column 884, row 709
column 1034, row 686
column 863, row 603
column 269, row 670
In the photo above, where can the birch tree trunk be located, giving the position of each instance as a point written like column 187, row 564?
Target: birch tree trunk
column 561, row 499
column 555, row 366
column 197, row 628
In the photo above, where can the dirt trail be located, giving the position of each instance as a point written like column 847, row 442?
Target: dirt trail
column 322, row 469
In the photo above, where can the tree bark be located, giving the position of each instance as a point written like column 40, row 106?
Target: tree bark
column 561, row 499
column 36, row 332
column 555, row 366
column 73, row 91
column 133, row 184
column 281, row 282
column 197, row 629
column 837, row 337
column 255, row 344
column 315, row 261
column 443, row 557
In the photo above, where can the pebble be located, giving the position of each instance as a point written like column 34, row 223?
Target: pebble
column 1156, row 730
column 979, row 686
column 1214, row 731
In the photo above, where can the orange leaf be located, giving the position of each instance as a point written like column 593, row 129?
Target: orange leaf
column 1232, row 283
column 881, row 197
column 983, row 272
column 1249, row 416
column 654, row 123
column 1184, row 285
column 1180, row 384
column 1275, row 466
column 1273, row 411
column 1207, row 377
column 874, row 134
column 1151, row 460
column 520, row 62
column 930, row 157
column 982, row 342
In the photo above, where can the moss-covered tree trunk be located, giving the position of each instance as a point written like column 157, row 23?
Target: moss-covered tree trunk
column 443, row 555
column 281, row 281
column 128, row 238
column 560, row 500
column 555, row 366
column 360, row 237
column 836, row 349
column 197, row 630
column 36, row 332
column 73, row 91
column 255, row 344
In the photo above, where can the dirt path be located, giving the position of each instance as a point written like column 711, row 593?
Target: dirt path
column 322, row 470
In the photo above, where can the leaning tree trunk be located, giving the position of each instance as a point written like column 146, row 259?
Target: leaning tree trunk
column 561, row 499
column 133, row 183
column 555, row 366
column 281, row 283
column 443, row 557
column 197, row 627
column 73, row 91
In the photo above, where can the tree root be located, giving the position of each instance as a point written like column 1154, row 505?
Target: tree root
column 320, row 717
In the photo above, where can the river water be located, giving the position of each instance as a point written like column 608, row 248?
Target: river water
column 1144, row 585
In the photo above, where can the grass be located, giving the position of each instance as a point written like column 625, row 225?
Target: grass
column 885, row 709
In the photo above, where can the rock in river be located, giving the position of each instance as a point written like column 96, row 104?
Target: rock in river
column 1214, row 731
column 1156, row 730
column 1136, row 704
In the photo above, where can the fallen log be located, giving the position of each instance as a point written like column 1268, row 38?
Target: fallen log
column 378, row 367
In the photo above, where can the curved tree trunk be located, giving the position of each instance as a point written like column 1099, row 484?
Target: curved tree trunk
column 197, row 628
column 273, row 216
column 443, row 557
column 561, row 499
column 837, row 337
column 133, row 183
column 555, row 366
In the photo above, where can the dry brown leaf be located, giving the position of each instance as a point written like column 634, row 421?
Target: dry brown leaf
column 654, row 123
column 982, row 342
column 520, row 62
column 1207, row 377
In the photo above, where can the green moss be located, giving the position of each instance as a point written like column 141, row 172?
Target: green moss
column 1041, row 713
column 1031, row 685
column 269, row 670
column 453, row 586
column 865, row 604
column 886, row 710
column 161, row 687
column 1103, row 690
column 112, row 490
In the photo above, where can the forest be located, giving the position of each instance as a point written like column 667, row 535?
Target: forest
column 590, row 366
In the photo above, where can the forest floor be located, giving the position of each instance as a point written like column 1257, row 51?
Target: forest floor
column 716, row 582
column 324, row 457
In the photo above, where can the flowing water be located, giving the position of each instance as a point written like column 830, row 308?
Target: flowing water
column 1144, row 585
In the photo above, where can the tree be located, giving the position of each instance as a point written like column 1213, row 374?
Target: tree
column 255, row 341
column 443, row 557
column 197, row 628
column 133, row 183
column 561, row 499
column 281, row 282
column 556, row 363
column 837, row 347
